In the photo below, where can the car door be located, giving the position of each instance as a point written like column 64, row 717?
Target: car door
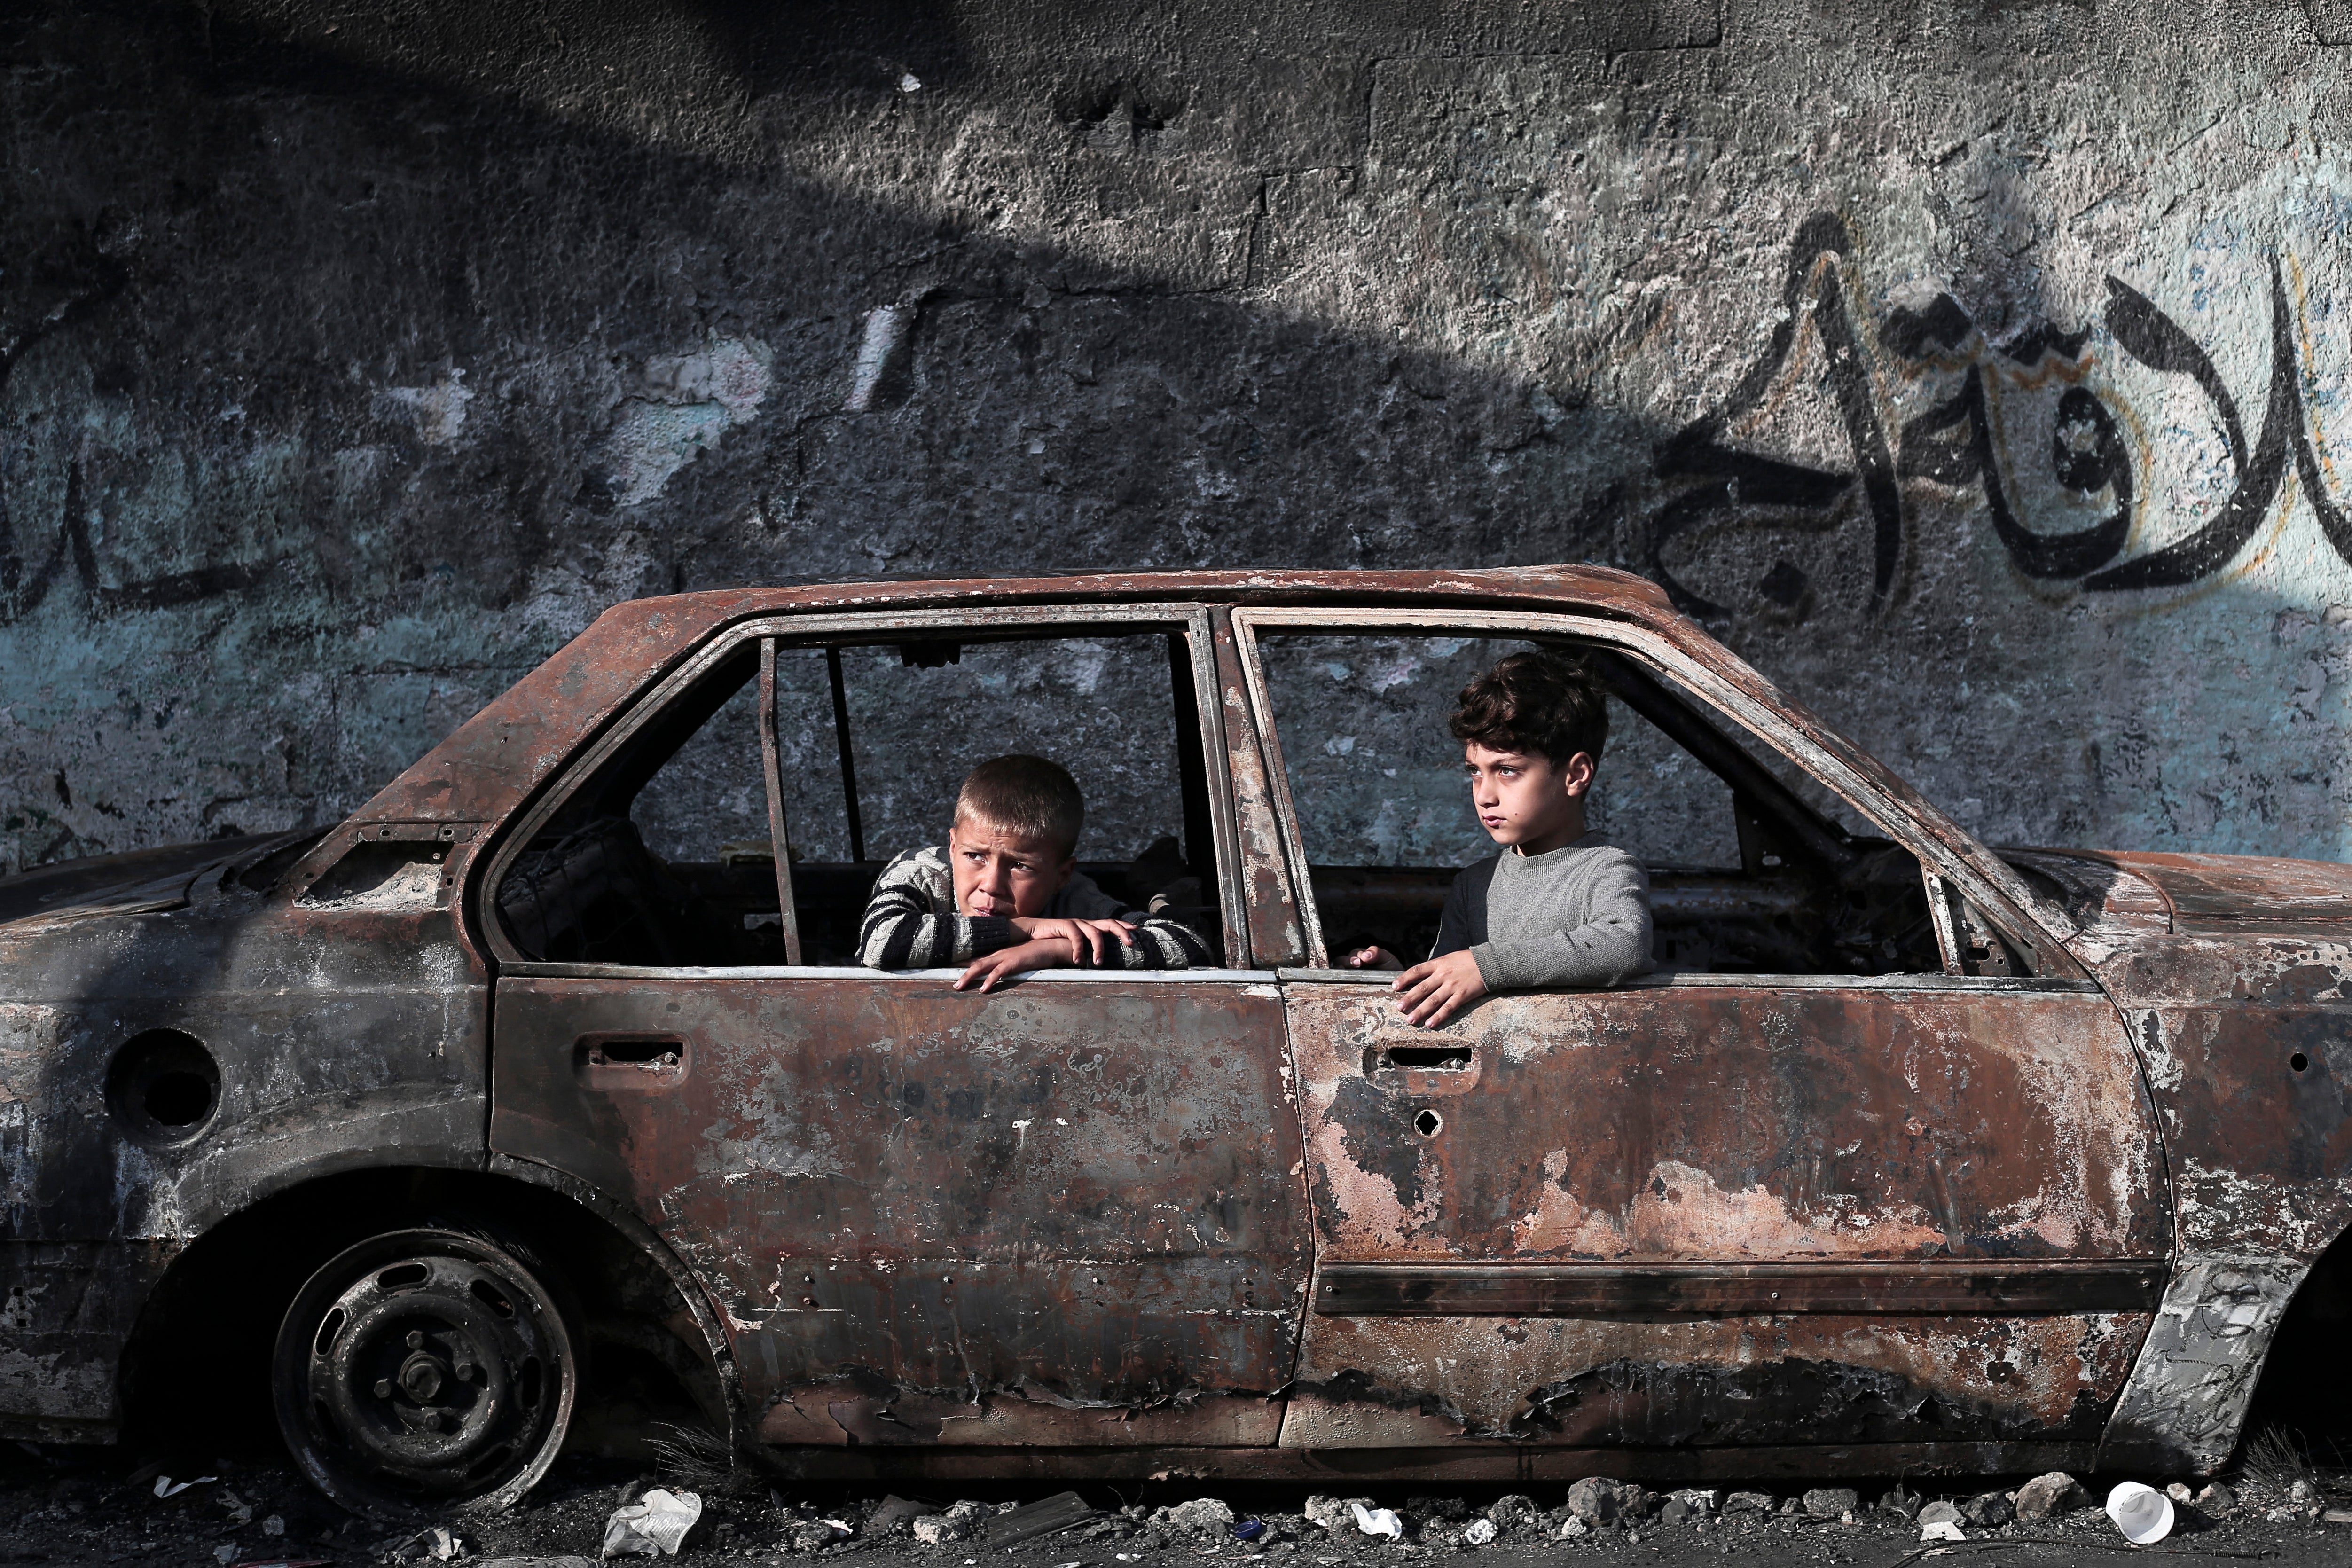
column 1067, row 1212
column 1904, row 1209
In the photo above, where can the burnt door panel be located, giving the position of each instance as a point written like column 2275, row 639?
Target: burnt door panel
column 1068, row 1212
column 1743, row 1212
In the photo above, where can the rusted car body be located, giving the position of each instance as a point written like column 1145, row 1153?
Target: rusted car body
column 2022, row 1168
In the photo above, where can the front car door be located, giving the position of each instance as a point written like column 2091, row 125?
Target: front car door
column 1915, row 1207
column 1067, row 1213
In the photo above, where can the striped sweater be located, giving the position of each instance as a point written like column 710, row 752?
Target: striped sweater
column 912, row 922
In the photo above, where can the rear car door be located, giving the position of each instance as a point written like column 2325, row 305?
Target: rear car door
column 1066, row 1212
column 1833, row 1188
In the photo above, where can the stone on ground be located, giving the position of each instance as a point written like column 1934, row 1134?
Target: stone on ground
column 1332, row 1512
column 1939, row 1512
column 2048, row 1496
column 1988, row 1510
column 1509, row 1512
column 1598, row 1500
column 1830, row 1503
column 1202, row 1516
column 1748, row 1502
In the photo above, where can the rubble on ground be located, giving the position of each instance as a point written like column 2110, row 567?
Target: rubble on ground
column 212, row 1514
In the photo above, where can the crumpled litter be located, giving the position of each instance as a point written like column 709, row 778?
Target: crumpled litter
column 438, row 1544
column 1382, row 1522
column 2140, row 1511
column 166, row 1487
column 652, row 1526
column 1942, row 1530
column 1249, row 1529
column 1479, row 1533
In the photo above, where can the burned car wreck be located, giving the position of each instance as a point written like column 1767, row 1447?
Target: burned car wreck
column 535, row 1087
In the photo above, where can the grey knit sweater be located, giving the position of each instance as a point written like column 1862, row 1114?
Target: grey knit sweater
column 1576, row 917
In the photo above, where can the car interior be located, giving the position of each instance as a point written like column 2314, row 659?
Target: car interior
column 664, row 855
column 1746, row 874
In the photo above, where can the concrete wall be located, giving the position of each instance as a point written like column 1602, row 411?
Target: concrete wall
column 1978, row 369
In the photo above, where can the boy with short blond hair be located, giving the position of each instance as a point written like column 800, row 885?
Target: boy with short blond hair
column 1005, row 894
column 1560, row 908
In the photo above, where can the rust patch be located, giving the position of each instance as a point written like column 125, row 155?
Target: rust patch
column 1272, row 908
column 1377, row 1383
column 1724, row 1124
column 1079, row 1197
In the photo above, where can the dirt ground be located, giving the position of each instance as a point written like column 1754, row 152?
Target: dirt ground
column 66, row 1506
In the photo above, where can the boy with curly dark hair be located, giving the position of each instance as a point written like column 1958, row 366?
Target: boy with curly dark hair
column 1560, row 908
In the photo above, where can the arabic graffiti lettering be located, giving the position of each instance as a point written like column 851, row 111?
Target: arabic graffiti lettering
column 1716, row 482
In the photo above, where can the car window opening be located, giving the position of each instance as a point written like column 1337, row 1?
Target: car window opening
column 1754, row 866
column 826, row 759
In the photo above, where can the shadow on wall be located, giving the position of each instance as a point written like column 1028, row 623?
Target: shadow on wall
column 350, row 363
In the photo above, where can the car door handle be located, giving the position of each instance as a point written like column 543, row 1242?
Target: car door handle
column 625, row 1061
column 1424, row 1067
column 1418, row 1059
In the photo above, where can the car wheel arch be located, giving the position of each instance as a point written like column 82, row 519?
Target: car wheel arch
column 217, row 1304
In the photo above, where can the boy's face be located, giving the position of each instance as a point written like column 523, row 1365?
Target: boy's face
column 1000, row 872
column 1525, row 799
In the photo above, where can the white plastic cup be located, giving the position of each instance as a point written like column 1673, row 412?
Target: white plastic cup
column 2143, row 1513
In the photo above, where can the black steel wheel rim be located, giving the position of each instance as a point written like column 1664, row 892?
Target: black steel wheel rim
column 425, row 1367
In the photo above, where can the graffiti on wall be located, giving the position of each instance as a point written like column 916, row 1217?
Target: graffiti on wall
column 1717, row 482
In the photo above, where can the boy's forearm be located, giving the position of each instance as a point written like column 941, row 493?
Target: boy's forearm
column 1603, row 952
column 907, row 939
column 1160, row 944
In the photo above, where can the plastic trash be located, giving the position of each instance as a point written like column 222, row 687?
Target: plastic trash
column 166, row 1487
column 2143, row 1513
column 438, row 1544
column 654, row 1525
column 1249, row 1529
column 1380, row 1521
column 1942, row 1530
column 1479, row 1533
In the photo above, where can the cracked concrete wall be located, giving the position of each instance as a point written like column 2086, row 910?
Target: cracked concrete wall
column 1975, row 369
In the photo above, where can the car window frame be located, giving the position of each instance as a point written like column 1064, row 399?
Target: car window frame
column 969, row 622
column 1949, row 869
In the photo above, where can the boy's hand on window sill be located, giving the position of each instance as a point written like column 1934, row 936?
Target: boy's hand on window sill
column 1371, row 958
column 1038, row 953
column 1091, row 939
column 1434, row 992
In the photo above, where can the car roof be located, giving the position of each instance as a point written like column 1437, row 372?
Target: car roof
column 494, row 761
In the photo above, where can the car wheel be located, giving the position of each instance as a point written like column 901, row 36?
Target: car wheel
column 427, row 1367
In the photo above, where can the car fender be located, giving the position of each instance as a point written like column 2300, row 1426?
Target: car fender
column 2243, row 1029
